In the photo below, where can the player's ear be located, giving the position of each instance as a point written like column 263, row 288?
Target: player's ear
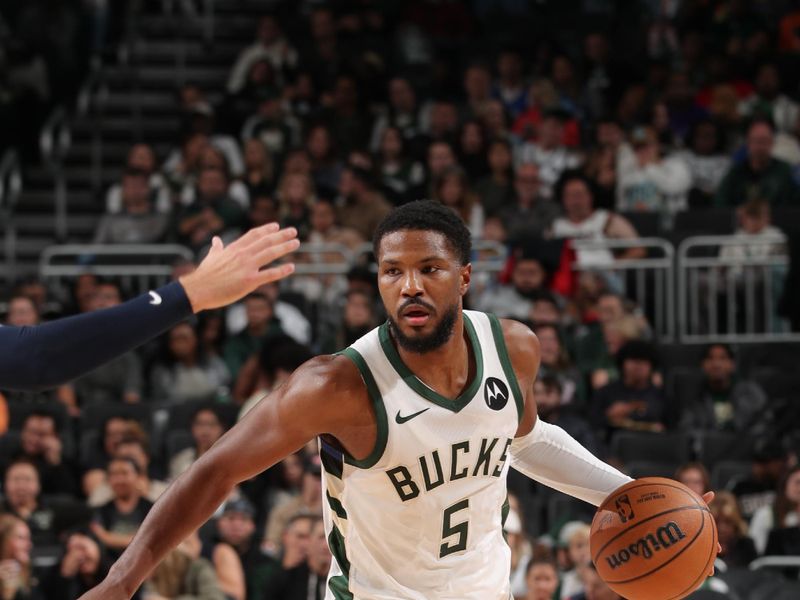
column 466, row 275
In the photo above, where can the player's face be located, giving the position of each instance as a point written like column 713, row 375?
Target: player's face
column 421, row 281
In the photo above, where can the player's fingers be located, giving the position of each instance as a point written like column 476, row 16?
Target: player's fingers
column 216, row 245
column 275, row 273
column 269, row 253
column 258, row 234
column 708, row 497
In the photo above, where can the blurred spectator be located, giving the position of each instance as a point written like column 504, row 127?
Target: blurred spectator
column 119, row 380
column 270, row 122
column 359, row 206
column 594, row 586
column 308, row 580
column 261, row 323
column 725, row 401
column 296, row 195
column 556, row 362
column 137, row 222
column 520, row 548
column 350, row 125
column 648, row 179
column 515, row 299
column 541, row 579
column 84, row 565
column 694, row 476
column 115, row 429
column 770, row 461
column 180, row 576
column 784, row 512
column 577, row 544
column 116, row 522
column 404, row 115
column 551, row 409
column 22, row 312
column 183, row 166
column 633, row 402
column 549, row 153
column 477, row 84
column 582, row 221
column 268, row 369
column 296, row 541
column 358, row 319
column 21, row 498
column 495, row 190
column 292, row 320
column 509, row 87
column 472, row 149
column 707, row 161
column 206, row 428
column 326, row 230
column 399, row 173
column 236, row 527
column 759, row 175
column 212, row 213
column 185, row 372
column 530, row 215
column 141, row 159
column 452, row 189
column 259, row 176
column 738, row 550
column 134, row 449
column 308, row 502
column 226, row 563
column 270, row 44
column 442, row 124
column 39, row 443
column 263, row 209
column 601, row 161
column 199, row 117
column 769, row 101
column 16, row 577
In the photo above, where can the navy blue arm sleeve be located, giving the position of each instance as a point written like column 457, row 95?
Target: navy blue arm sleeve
column 35, row 358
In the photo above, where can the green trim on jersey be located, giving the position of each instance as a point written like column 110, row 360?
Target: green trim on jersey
column 336, row 506
column 380, row 412
column 504, row 517
column 505, row 360
column 423, row 390
column 340, row 584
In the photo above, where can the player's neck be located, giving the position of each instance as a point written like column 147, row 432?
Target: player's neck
column 448, row 369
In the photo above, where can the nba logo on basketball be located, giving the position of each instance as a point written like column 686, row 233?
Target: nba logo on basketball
column 624, row 509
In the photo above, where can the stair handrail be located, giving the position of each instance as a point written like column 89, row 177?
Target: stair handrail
column 10, row 190
column 55, row 140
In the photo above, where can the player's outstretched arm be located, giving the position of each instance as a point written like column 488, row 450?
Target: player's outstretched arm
column 56, row 352
column 547, row 453
column 322, row 396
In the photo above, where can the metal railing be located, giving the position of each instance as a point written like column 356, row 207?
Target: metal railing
column 91, row 104
column 648, row 281
column 54, row 143
column 137, row 267
column 10, row 190
column 487, row 256
column 728, row 289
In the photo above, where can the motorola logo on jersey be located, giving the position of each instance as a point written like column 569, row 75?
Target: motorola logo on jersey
column 495, row 392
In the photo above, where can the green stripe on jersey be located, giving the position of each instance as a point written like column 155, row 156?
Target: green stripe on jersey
column 423, row 390
column 340, row 585
column 505, row 360
column 380, row 412
column 336, row 506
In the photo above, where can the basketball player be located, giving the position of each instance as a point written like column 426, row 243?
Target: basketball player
column 56, row 352
column 418, row 421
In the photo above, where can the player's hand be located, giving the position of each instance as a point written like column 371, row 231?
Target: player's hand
column 227, row 274
column 708, row 497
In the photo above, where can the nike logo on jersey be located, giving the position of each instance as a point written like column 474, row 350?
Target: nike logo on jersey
column 400, row 420
column 155, row 298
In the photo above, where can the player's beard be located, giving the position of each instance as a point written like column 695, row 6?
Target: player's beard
column 434, row 340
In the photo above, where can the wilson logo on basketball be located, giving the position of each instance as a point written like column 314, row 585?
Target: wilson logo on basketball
column 663, row 538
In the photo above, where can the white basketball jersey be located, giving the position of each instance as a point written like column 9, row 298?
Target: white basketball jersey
column 421, row 518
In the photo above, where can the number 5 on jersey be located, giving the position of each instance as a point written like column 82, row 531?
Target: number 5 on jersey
column 449, row 529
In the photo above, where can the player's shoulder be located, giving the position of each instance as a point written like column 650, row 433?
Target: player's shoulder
column 522, row 344
column 333, row 373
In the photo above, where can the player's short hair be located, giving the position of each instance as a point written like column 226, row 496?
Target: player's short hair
column 426, row 215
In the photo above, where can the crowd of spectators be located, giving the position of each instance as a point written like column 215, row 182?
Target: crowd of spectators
column 332, row 115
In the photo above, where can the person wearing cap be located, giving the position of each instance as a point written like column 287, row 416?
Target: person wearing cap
column 649, row 181
column 770, row 461
column 633, row 401
column 309, row 501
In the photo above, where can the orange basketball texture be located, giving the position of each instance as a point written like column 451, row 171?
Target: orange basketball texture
column 653, row 539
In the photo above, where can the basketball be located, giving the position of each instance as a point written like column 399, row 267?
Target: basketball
column 653, row 539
